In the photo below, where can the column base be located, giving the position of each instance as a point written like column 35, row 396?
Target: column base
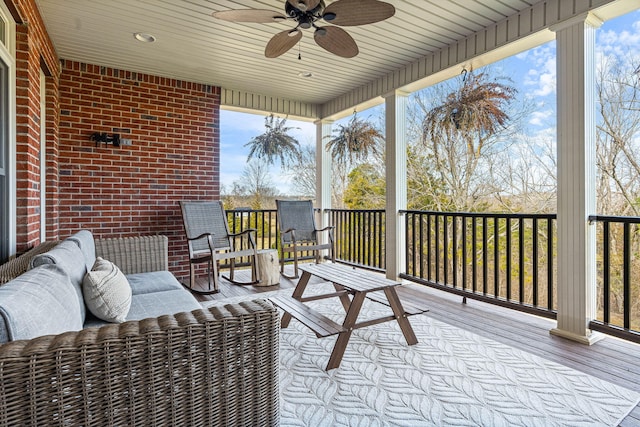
column 590, row 339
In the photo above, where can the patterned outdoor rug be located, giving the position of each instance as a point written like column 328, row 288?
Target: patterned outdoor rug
column 450, row 378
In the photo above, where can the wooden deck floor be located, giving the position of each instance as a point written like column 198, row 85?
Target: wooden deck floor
column 610, row 359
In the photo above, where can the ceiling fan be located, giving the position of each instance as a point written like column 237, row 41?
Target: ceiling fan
column 307, row 13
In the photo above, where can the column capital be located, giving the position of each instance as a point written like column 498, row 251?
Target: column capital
column 323, row 122
column 588, row 18
column 396, row 92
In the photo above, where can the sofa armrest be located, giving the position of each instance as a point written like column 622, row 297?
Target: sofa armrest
column 15, row 267
column 135, row 254
column 216, row 366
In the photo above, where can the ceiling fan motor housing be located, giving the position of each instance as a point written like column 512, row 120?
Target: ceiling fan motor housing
column 305, row 18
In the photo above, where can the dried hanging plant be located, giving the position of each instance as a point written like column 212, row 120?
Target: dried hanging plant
column 275, row 143
column 478, row 106
column 355, row 141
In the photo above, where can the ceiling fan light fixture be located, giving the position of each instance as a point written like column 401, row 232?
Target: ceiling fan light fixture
column 302, row 6
column 321, row 32
column 293, row 32
column 305, row 24
column 329, row 16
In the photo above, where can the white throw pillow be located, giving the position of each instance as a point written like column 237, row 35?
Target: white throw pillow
column 107, row 292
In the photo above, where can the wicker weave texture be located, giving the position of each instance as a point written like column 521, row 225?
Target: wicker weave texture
column 213, row 367
column 12, row 269
column 135, row 254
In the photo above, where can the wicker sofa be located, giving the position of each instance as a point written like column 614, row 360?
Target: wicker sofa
column 215, row 366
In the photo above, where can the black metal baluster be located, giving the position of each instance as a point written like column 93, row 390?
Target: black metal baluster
column 535, row 261
column 606, row 272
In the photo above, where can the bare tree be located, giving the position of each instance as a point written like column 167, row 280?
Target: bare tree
column 254, row 187
column 303, row 173
column 617, row 157
column 618, row 136
column 303, row 176
column 525, row 176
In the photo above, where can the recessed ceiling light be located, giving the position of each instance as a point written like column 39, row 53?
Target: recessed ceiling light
column 144, row 37
column 305, row 74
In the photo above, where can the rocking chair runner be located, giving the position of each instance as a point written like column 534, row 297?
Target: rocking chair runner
column 209, row 240
column 298, row 232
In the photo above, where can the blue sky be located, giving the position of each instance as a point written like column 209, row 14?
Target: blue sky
column 536, row 71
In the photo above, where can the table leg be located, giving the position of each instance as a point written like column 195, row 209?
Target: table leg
column 398, row 311
column 343, row 337
column 344, row 299
column 297, row 294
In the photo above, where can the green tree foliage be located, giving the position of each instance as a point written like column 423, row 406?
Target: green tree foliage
column 275, row 143
column 354, row 142
column 366, row 188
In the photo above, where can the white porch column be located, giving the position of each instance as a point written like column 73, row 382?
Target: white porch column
column 396, row 178
column 323, row 174
column 575, row 40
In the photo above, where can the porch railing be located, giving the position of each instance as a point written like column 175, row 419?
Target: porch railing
column 503, row 259
column 266, row 225
column 359, row 237
column 618, row 276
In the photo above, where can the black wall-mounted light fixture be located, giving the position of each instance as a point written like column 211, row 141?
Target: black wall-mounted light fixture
column 106, row 138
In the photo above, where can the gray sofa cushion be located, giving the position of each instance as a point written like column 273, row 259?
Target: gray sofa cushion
column 69, row 257
column 84, row 240
column 41, row 301
column 154, row 304
column 158, row 303
column 156, row 281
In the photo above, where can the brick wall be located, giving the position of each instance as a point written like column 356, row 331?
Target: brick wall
column 134, row 190
column 34, row 52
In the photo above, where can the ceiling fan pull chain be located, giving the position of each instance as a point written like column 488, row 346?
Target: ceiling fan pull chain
column 299, row 55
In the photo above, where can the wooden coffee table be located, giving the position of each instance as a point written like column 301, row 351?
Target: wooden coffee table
column 352, row 286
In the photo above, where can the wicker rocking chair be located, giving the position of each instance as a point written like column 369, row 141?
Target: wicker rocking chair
column 298, row 232
column 209, row 240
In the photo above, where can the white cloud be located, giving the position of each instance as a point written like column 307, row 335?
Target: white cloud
column 540, row 118
column 612, row 40
column 541, row 78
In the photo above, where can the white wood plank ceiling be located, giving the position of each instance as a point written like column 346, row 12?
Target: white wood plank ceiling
column 191, row 45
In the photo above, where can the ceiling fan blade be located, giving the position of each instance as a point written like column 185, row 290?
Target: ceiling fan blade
column 261, row 16
column 337, row 41
column 282, row 42
column 349, row 13
column 304, row 4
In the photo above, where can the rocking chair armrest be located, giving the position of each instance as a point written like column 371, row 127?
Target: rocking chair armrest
column 328, row 227
column 200, row 236
column 209, row 237
column 240, row 233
